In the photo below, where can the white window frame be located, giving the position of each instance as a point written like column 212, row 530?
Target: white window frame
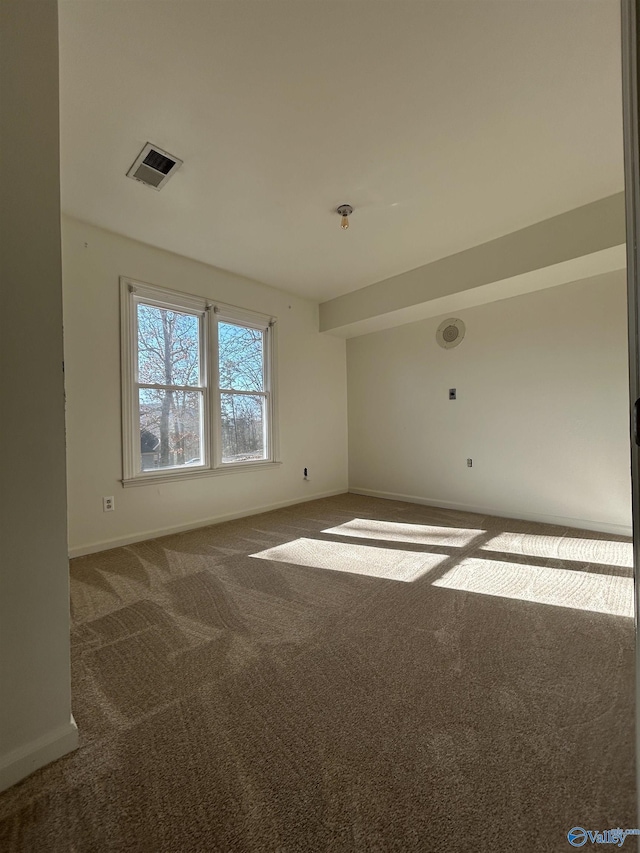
column 210, row 313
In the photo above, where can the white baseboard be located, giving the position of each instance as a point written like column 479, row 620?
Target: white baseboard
column 21, row 762
column 94, row 547
column 562, row 521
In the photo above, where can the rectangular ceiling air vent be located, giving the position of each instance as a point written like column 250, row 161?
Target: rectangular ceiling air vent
column 153, row 166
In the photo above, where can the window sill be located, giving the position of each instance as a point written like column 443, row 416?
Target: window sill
column 171, row 476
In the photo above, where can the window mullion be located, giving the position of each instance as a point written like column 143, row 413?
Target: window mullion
column 266, row 381
column 214, row 405
column 205, row 381
column 246, row 393
column 152, row 386
column 272, row 387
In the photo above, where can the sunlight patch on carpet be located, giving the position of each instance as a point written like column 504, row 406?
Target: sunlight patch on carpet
column 542, row 585
column 389, row 563
column 415, row 534
column 605, row 552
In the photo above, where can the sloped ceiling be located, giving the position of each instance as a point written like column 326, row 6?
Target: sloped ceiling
column 444, row 124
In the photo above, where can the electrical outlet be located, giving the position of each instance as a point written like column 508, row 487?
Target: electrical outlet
column 306, row 474
column 108, row 504
column 452, row 393
column 469, row 463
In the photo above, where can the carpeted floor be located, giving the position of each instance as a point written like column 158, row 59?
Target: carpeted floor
column 350, row 674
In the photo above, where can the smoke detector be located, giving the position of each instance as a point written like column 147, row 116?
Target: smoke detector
column 450, row 333
column 153, row 166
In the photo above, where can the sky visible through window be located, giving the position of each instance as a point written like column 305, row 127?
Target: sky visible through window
column 168, row 347
column 241, row 360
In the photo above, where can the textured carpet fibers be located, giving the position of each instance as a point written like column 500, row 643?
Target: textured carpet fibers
column 349, row 674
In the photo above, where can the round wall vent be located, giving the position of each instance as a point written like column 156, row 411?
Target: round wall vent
column 450, row 333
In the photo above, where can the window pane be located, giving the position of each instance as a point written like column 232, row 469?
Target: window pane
column 243, row 427
column 240, row 357
column 170, row 428
column 168, row 347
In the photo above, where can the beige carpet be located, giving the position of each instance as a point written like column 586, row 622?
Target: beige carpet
column 345, row 675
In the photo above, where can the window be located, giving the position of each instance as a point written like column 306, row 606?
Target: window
column 197, row 382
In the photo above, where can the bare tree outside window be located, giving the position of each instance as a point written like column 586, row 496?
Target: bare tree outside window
column 242, row 392
column 168, row 368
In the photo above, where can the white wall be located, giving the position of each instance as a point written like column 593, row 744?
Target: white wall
column 542, row 409
column 35, row 713
column 311, row 381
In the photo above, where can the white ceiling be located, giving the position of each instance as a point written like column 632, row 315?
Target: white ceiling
column 445, row 123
